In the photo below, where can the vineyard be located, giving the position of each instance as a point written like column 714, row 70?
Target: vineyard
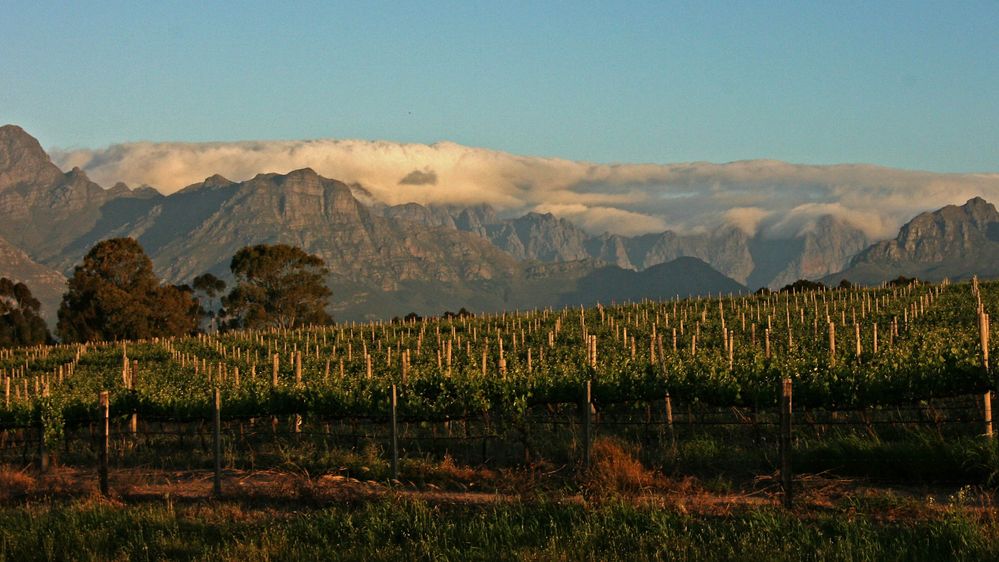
column 895, row 363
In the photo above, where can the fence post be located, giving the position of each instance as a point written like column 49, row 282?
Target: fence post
column 43, row 451
column 103, row 415
column 394, row 402
column 217, row 441
column 587, row 413
column 133, row 423
column 669, row 423
column 983, row 332
column 786, row 475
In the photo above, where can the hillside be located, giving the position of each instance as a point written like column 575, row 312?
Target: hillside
column 954, row 242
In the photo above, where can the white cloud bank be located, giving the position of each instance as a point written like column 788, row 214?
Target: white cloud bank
column 777, row 197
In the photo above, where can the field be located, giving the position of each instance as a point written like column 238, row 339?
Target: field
column 741, row 401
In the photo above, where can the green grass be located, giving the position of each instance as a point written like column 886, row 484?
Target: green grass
column 403, row 529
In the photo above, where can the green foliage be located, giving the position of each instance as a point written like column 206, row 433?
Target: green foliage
column 933, row 355
column 114, row 295
column 20, row 324
column 277, row 286
column 208, row 284
column 802, row 285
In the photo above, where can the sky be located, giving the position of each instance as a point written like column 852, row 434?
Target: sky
column 910, row 85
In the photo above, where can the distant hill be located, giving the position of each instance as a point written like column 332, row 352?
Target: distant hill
column 954, row 242
column 682, row 277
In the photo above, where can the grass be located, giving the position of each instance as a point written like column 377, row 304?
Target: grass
column 397, row 528
column 919, row 456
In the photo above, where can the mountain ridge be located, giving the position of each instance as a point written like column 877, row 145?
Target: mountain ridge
column 410, row 254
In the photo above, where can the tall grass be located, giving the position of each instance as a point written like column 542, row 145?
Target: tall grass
column 395, row 529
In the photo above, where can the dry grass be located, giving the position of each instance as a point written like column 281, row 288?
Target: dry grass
column 16, row 483
column 615, row 471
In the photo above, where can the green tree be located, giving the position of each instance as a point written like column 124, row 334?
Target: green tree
column 277, row 286
column 211, row 287
column 20, row 323
column 114, row 295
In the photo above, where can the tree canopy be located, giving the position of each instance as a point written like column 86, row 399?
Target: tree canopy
column 208, row 284
column 114, row 294
column 211, row 288
column 277, row 286
column 20, row 323
column 802, row 285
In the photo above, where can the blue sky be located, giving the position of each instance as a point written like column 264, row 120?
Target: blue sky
column 904, row 84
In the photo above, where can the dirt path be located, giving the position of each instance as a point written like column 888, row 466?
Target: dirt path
column 288, row 490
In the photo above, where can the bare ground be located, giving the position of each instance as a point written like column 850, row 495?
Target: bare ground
column 281, row 490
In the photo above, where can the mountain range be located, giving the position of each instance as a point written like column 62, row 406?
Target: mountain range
column 389, row 260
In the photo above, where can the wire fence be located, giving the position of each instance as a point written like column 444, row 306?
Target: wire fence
column 935, row 441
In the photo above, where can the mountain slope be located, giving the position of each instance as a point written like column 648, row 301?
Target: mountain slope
column 424, row 256
column 825, row 248
column 953, row 242
column 48, row 213
column 47, row 285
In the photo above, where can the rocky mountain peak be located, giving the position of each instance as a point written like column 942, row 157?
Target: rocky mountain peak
column 954, row 241
column 217, row 180
column 23, row 161
column 934, row 235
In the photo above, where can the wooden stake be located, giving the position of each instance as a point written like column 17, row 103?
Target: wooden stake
column 587, row 415
column 832, row 343
column 987, row 404
column 786, row 476
column 217, row 441
column 393, row 403
column 103, row 414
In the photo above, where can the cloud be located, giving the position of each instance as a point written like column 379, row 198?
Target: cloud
column 420, row 177
column 606, row 219
column 760, row 196
column 746, row 219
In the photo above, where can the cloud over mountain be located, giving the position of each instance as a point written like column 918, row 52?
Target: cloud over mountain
column 774, row 197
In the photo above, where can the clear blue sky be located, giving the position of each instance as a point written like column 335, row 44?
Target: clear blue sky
column 905, row 84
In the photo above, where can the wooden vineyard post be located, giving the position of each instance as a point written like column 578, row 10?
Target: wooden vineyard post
column 587, row 413
column 786, row 476
column 832, row 344
column 394, row 404
column 983, row 331
column 297, row 421
column 43, row 451
column 987, row 403
column 103, row 415
column 217, row 441
column 669, row 423
column 133, row 422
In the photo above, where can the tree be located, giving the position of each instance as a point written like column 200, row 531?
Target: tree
column 277, row 286
column 114, row 294
column 463, row 313
column 802, row 285
column 211, row 287
column 20, row 323
column 903, row 281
